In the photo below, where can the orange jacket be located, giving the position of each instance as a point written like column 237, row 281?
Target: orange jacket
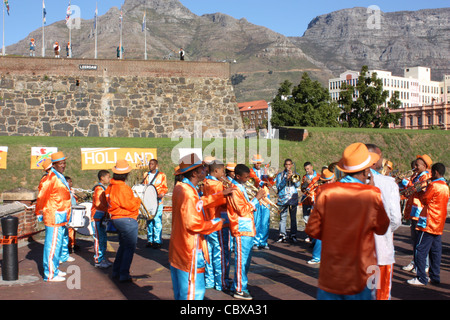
column 435, row 200
column 240, row 214
column 121, row 200
column 211, row 187
column 189, row 225
column 309, row 200
column 414, row 205
column 160, row 183
column 98, row 200
column 54, row 200
column 345, row 217
column 311, row 191
column 38, row 207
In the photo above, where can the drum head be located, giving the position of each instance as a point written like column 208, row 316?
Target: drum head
column 139, row 189
column 87, row 229
column 150, row 199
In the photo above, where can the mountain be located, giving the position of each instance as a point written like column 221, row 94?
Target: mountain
column 347, row 39
column 263, row 57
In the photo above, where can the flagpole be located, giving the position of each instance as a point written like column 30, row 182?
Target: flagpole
column 121, row 28
column 145, row 31
column 3, row 47
column 43, row 29
column 96, row 26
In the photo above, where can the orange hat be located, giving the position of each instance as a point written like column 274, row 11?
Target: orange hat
column 58, row 156
column 390, row 165
column 46, row 164
column 188, row 163
column 326, row 175
column 175, row 170
column 230, row 166
column 427, row 159
column 356, row 157
column 257, row 158
column 208, row 160
column 121, row 167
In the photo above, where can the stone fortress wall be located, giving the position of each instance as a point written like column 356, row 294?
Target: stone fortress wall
column 114, row 98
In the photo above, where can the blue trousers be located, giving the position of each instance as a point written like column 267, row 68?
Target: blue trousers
column 65, row 245
column 227, row 249
column 242, row 258
column 53, row 244
column 186, row 286
column 127, row 229
column 100, row 238
column 316, row 253
column 154, row 227
column 366, row 294
column 428, row 245
column 215, row 269
column 262, row 221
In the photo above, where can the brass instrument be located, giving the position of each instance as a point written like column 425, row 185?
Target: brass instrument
column 295, row 178
column 252, row 190
column 271, row 172
column 308, row 192
column 384, row 167
column 401, row 176
column 417, row 187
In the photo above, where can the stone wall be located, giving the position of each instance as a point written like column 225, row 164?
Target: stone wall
column 113, row 98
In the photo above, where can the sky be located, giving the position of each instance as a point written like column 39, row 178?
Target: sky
column 288, row 17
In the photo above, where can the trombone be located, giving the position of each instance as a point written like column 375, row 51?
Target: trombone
column 252, row 190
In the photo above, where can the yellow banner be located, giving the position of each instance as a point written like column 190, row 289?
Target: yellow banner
column 3, row 157
column 106, row 158
column 39, row 154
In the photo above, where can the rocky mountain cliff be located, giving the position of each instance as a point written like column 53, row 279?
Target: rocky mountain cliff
column 350, row 38
column 332, row 43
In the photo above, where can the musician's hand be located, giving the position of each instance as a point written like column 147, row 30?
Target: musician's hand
column 371, row 182
column 161, row 195
column 260, row 194
column 228, row 191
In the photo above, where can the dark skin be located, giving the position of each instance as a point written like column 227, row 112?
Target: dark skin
column 199, row 174
column 60, row 166
column 243, row 178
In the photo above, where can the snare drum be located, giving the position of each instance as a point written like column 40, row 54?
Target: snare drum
column 86, row 229
column 77, row 217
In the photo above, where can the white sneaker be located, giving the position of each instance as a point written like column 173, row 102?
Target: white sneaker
column 56, row 279
column 409, row 267
column 415, row 282
column 313, row 261
column 62, row 274
column 70, row 259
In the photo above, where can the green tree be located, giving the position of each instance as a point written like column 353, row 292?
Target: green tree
column 307, row 104
column 363, row 105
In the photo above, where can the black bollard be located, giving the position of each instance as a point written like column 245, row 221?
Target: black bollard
column 10, row 263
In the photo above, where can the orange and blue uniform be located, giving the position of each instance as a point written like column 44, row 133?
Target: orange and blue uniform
column 99, row 212
column 188, row 249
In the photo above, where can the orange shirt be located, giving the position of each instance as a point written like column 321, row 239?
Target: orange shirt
column 38, row 206
column 345, row 217
column 240, row 214
column 189, row 225
column 99, row 200
column 414, row 204
column 435, row 200
column 210, row 187
column 54, row 200
column 121, row 200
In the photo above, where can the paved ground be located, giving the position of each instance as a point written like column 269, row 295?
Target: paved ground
column 280, row 273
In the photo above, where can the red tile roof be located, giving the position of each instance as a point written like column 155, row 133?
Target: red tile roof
column 253, row 105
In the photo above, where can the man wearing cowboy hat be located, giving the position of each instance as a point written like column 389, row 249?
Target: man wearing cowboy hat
column 384, row 244
column 414, row 205
column 123, row 208
column 188, row 250
column 55, row 200
column 345, row 216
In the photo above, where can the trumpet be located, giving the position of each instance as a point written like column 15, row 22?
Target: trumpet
column 417, row 187
column 252, row 190
column 404, row 175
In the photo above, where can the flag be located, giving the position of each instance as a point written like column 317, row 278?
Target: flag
column 121, row 18
column 143, row 23
column 7, row 6
column 95, row 17
column 44, row 12
column 68, row 13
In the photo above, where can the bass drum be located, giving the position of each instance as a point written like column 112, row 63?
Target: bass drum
column 86, row 230
column 150, row 200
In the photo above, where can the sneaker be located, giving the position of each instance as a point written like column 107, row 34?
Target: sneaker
column 281, row 238
column 307, row 239
column 103, row 264
column 313, row 261
column 70, row 259
column 415, row 282
column 62, row 273
column 242, row 295
column 56, row 279
column 255, row 247
column 265, row 247
column 409, row 267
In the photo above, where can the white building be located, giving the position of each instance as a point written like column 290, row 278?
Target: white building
column 415, row 88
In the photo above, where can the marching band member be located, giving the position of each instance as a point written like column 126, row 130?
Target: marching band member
column 71, row 231
column 188, row 249
column 215, row 270
column 55, row 200
column 326, row 177
column 99, row 213
column 228, row 239
column 240, row 214
column 287, row 200
column 154, row 226
column 348, row 245
column 414, row 204
column 430, row 227
column 384, row 244
column 262, row 213
column 306, row 181
column 46, row 166
column 123, row 208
